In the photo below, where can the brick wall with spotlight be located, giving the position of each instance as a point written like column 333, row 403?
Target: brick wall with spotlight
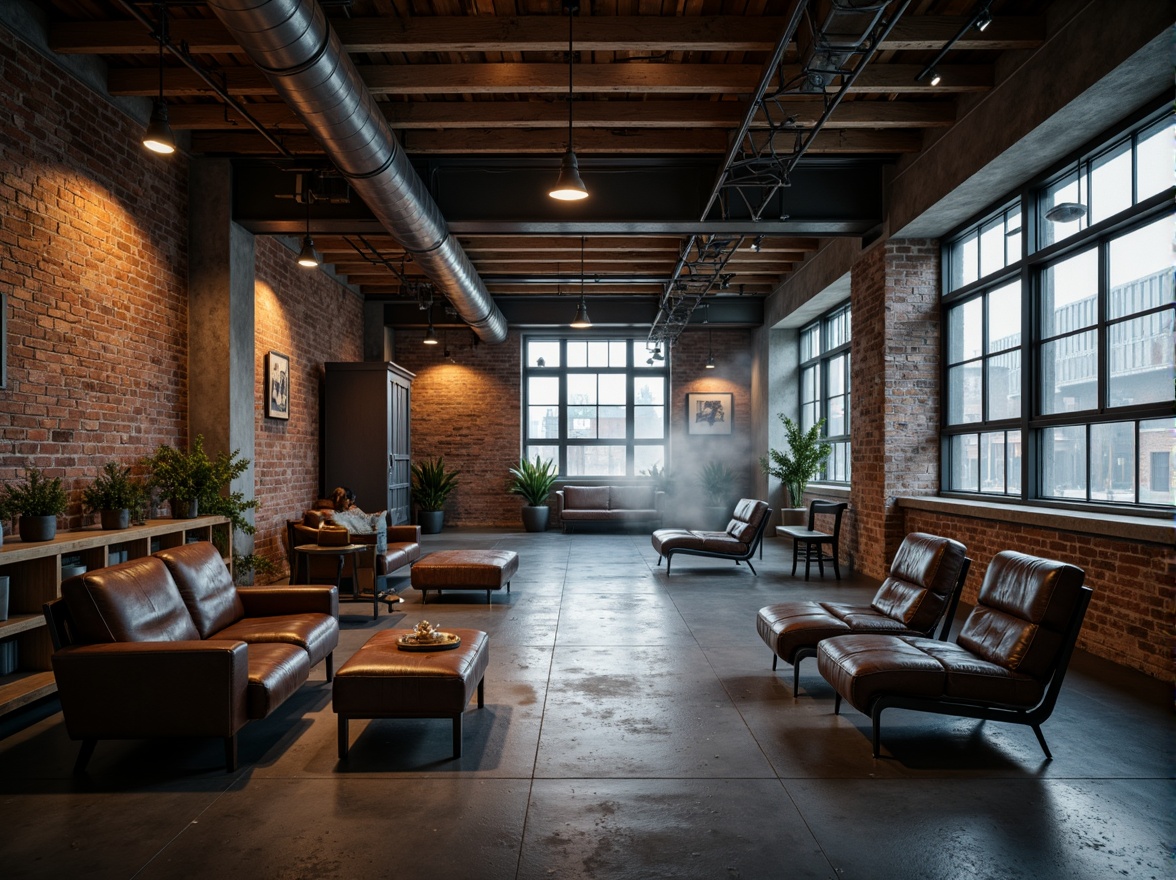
column 93, row 258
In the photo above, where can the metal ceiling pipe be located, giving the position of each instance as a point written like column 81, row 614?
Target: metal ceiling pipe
column 292, row 43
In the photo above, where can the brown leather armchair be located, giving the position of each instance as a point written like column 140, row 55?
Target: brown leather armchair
column 166, row 645
column 1007, row 664
column 392, row 548
column 924, row 585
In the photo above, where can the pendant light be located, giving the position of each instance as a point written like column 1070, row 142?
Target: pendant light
column 308, row 257
column 581, row 320
column 158, row 137
column 569, row 187
column 710, row 349
column 431, row 335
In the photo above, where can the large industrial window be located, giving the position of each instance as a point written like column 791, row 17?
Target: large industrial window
column 598, row 407
column 824, row 387
column 1059, row 316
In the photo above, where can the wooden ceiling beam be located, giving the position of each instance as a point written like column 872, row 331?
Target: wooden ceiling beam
column 475, row 115
column 629, row 33
column 551, row 79
column 588, row 142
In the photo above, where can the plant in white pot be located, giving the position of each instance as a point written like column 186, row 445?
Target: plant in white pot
column 533, row 480
column 39, row 501
column 800, row 463
column 113, row 495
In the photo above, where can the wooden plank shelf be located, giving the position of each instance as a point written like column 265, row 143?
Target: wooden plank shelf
column 34, row 572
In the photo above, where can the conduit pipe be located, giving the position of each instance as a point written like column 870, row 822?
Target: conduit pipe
column 292, row 43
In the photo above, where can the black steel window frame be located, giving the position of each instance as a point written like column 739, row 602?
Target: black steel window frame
column 1029, row 269
column 630, row 370
column 821, row 360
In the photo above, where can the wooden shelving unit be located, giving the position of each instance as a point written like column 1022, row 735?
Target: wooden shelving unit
column 34, row 572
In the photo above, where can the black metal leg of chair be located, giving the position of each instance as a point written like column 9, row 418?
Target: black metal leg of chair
column 836, row 566
column 821, row 558
column 808, row 558
column 795, row 551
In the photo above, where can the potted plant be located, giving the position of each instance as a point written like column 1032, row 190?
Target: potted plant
column 533, row 480
column 39, row 501
column 113, row 494
column 794, row 468
column 717, row 481
column 193, row 483
column 431, row 484
column 181, row 477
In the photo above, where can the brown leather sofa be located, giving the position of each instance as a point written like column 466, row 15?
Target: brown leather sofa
column 1007, row 664
column 166, row 645
column 923, row 587
column 744, row 533
column 616, row 505
column 392, row 548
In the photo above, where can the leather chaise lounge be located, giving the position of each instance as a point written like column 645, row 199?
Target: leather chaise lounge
column 167, row 646
column 923, row 587
column 738, row 542
column 1007, row 664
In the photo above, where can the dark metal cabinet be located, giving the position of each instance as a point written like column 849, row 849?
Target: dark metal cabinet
column 366, row 435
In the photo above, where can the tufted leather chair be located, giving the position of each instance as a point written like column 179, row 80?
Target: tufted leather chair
column 923, row 587
column 1007, row 664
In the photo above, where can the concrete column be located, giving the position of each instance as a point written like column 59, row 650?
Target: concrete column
column 221, row 356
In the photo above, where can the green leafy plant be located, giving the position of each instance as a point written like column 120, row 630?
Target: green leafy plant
column 662, row 480
column 37, row 496
column 113, row 489
column 188, row 476
column 533, row 480
column 251, row 564
column 806, row 453
column 717, row 481
column 432, row 483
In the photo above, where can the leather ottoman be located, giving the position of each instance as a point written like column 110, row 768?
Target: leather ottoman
column 465, row 570
column 381, row 681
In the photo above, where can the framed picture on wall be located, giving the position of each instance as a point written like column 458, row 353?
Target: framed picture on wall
column 277, row 386
column 709, row 412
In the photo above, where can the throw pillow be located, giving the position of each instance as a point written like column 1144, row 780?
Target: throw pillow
column 355, row 520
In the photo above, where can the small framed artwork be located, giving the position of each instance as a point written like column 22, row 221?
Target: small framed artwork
column 709, row 412
column 277, row 386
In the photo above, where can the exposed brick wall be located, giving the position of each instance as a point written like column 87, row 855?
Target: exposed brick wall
column 93, row 256
column 312, row 319
column 1130, row 619
column 469, row 413
column 895, row 427
column 689, row 452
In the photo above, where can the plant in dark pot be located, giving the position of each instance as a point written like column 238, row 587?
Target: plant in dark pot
column 39, row 501
column 718, row 489
column 801, row 463
column 195, row 484
column 533, row 480
column 113, row 495
column 432, row 483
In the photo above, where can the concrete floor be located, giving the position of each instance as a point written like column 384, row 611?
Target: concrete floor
column 633, row 729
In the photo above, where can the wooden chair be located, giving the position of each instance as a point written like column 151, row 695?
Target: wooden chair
column 814, row 540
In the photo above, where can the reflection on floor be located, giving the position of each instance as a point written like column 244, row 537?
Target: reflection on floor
column 633, row 729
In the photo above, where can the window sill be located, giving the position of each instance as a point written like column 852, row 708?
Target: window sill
column 1144, row 529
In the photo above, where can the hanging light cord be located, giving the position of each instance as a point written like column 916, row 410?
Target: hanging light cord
column 162, row 40
column 571, row 58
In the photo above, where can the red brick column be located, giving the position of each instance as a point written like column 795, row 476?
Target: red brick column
column 895, row 386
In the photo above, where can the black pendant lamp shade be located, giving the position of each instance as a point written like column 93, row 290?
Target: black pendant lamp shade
column 569, row 187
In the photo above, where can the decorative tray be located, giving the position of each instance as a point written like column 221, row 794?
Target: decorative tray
column 438, row 642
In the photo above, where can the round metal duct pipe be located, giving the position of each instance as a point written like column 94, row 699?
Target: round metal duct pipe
column 293, row 44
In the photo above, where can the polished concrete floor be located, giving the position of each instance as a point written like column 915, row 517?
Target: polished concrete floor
column 633, row 728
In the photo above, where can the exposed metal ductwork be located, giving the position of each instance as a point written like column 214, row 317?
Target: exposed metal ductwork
column 292, row 42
